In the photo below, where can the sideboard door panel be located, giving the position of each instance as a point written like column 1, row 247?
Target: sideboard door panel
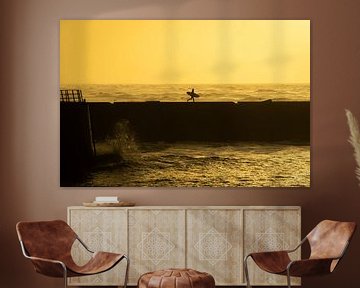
column 156, row 240
column 214, row 244
column 270, row 230
column 209, row 239
column 101, row 230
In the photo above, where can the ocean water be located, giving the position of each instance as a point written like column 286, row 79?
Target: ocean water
column 200, row 164
column 207, row 92
column 211, row 164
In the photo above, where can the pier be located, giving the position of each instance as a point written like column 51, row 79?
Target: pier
column 205, row 121
column 77, row 146
column 71, row 95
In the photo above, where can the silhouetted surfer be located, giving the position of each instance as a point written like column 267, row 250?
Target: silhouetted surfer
column 192, row 95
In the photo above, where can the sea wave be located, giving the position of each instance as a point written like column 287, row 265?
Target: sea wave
column 216, row 165
column 207, row 92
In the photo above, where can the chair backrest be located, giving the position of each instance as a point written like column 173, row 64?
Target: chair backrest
column 329, row 239
column 46, row 239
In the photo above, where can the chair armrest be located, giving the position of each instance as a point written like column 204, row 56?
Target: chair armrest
column 298, row 246
column 45, row 260
column 281, row 251
column 48, row 267
column 268, row 253
column 309, row 267
column 84, row 245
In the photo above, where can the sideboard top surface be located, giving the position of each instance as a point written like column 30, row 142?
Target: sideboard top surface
column 193, row 207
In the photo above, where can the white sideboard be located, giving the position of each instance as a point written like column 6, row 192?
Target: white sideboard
column 211, row 239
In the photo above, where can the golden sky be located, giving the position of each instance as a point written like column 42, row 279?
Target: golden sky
column 184, row 51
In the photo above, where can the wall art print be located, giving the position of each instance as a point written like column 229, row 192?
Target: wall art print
column 185, row 103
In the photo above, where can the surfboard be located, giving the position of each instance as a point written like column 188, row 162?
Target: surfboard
column 193, row 94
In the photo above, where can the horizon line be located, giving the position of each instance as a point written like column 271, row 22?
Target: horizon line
column 263, row 83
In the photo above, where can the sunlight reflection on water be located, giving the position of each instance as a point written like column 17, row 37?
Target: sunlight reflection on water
column 214, row 165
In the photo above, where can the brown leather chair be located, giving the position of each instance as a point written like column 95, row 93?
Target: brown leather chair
column 328, row 242
column 48, row 245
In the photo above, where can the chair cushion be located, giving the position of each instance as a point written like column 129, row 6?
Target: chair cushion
column 176, row 278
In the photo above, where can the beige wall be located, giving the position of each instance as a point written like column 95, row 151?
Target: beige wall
column 29, row 119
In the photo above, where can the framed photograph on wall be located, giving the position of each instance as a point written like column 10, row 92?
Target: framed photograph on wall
column 185, row 103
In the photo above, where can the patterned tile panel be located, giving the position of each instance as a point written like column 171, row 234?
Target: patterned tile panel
column 100, row 230
column 214, row 242
column 157, row 241
column 270, row 230
column 156, row 246
column 213, row 246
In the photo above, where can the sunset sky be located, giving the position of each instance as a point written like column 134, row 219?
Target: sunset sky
column 184, row 51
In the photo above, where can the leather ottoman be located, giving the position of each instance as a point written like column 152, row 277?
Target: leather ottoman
column 176, row 278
